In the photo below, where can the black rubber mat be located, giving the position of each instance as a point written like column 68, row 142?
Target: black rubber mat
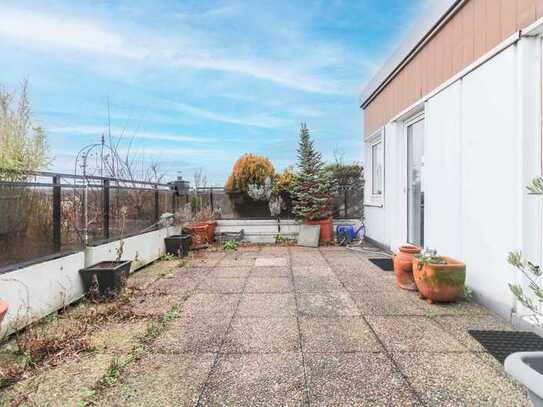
column 501, row 344
column 383, row 264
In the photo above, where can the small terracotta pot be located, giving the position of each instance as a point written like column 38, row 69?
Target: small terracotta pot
column 211, row 225
column 199, row 233
column 3, row 310
column 403, row 266
column 327, row 228
column 440, row 282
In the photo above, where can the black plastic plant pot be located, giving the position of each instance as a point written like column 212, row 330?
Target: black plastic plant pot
column 106, row 279
column 178, row 245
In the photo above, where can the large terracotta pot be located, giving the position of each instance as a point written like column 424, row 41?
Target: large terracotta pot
column 3, row 310
column 211, row 226
column 327, row 228
column 403, row 266
column 440, row 282
column 199, row 233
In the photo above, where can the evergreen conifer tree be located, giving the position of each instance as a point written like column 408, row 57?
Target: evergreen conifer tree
column 312, row 184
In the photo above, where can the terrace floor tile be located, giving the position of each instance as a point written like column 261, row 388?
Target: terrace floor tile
column 459, row 379
column 347, row 334
column 221, row 285
column 413, row 333
column 267, row 305
column 356, row 379
column 274, row 379
column 262, row 335
column 326, row 304
column 269, row 285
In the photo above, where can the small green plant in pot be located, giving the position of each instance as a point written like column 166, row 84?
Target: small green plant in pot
column 438, row 278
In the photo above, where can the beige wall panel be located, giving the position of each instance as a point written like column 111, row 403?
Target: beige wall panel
column 475, row 29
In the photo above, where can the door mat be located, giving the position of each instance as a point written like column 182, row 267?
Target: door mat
column 501, row 344
column 383, row 264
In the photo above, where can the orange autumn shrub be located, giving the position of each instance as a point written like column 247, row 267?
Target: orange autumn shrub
column 249, row 169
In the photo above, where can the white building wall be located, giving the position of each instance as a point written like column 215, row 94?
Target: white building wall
column 482, row 146
column 490, row 181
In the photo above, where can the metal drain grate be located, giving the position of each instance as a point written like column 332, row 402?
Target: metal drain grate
column 383, row 264
column 501, row 344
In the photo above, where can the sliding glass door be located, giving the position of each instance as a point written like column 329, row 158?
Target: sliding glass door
column 415, row 186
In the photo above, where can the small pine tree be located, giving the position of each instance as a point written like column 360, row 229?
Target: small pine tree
column 312, row 184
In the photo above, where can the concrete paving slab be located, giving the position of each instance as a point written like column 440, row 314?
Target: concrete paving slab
column 269, row 285
column 267, row 305
column 262, row 335
column 355, row 379
column 193, row 334
column 459, row 379
column 326, row 304
column 275, row 379
column 271, row 262
column 458, row 327
column 270, row 272
column 308, row 283
column 221, row 285
column 230, row 272
column 347, row 334
column 386, row 303
column 211, row 304
column 161, row 380
column 417, row 334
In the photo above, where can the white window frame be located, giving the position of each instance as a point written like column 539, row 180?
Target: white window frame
column 376, row 138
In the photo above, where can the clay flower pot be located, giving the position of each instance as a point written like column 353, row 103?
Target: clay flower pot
column 3, row 310
column 440, row 282
column 211, row 225
column 403, row 266
column 327, row 228
column 199, row 233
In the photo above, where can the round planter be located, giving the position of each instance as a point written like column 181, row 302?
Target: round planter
column 327, row 228
column 199, row 233
column 3, row 310
column 211, row 226
column 440, row 282
column 403, row 266
column 178, row 245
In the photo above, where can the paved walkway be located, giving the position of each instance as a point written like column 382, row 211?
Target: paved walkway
column 295, row 326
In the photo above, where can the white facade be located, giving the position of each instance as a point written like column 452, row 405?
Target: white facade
column 482, row 146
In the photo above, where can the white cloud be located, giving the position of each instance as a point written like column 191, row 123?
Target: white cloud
column 258, row 120
column 117, row 132
column 35, row 29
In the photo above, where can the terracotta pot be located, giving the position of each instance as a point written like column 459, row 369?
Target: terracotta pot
column 211, row 226
column 403, row 266
column 440, row 282
column 3, row 310
column 199, row 233
column 327, row 228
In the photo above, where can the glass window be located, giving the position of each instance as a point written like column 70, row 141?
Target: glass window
column 377, row 168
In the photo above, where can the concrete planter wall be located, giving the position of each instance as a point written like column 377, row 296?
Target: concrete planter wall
column 265, row 230
column 37, row 290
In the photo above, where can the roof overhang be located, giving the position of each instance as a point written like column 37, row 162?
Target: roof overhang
column 434, row 16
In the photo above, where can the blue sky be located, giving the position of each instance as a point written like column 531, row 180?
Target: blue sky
column 198, row 83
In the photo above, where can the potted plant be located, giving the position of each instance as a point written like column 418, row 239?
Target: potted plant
column 438, row 278
column 249, row 186
column 403, row 266
column 3, row 310
column 202, row 227
column 107, row 279
column 312, row 189
column 179, row 244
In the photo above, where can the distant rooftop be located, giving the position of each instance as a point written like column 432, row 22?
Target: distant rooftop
column 431, row 17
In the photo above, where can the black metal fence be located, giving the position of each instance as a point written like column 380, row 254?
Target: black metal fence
column 45, row 214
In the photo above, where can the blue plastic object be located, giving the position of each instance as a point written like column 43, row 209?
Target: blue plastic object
column 346, row 234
